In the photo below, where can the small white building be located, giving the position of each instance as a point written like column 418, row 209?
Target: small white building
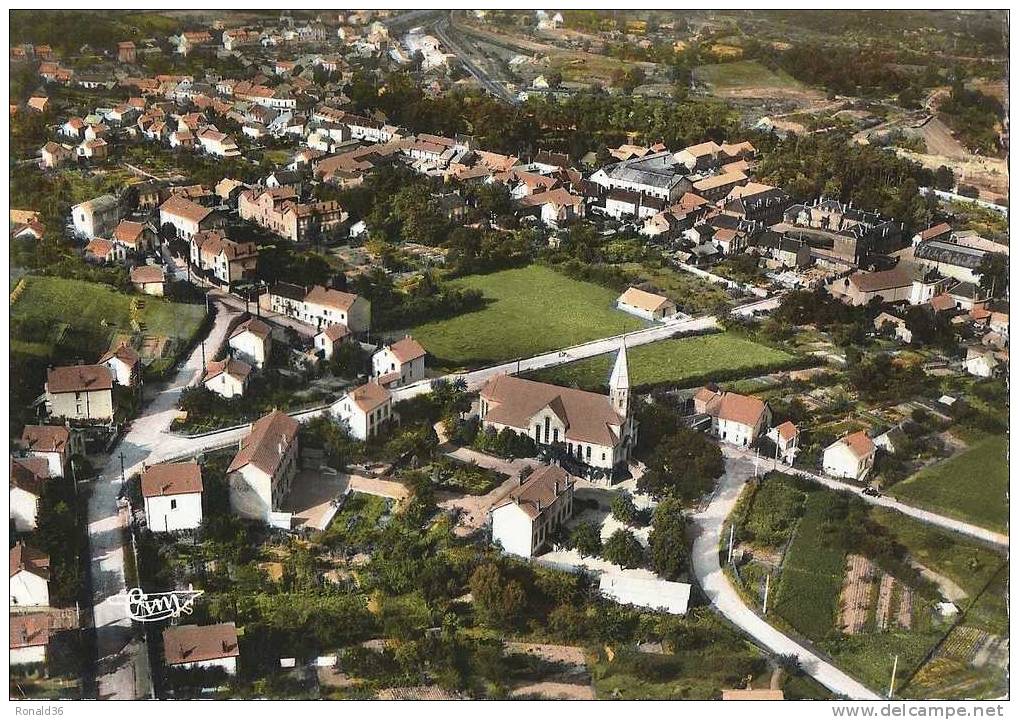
column 524, row 520
column 981, row 363
column 735, row 419
column 850, row 457
column 30, row 577
column 365, row 409
column 787, row 441
column 186, row 647
column 173, row 496
column 401, row 363
column 52, row 443
column 328, row 340
column 629, row 588
column 646, row 305
column 28, row 478
column 251, row 341
column 125, row 363
column 227, row 378
column 30, row 638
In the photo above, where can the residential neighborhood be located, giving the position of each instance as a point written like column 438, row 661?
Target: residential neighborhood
column 411, row 354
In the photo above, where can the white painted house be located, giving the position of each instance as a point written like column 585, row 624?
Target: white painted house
column 401, row 363
column 125, row 363
column 787, row 441
column 227, row 378
column 28, row 478
column 173, row 496
column 187, row 647
column 30, row 577
column 30, row 638
column 328, row 340
column 850, row 457
column 735, row 419
column 365, row 409
column 52, row 443
column 981, row 363
column 264, row 467
column 648, row 306
column 80, row 392
column 251, row 341
column 525, row 519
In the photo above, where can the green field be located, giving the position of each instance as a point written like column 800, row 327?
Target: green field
column 677, row 360
column 530, row 310
column 83, row 316
column 971, row 486
column 744, row 74
column 812, row 573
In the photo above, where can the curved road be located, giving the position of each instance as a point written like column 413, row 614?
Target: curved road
column 721, row 593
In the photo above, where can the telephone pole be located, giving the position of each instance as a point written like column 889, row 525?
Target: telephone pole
column 123, row 478
column 732, row 537
column 891, row 686
column 767, row 587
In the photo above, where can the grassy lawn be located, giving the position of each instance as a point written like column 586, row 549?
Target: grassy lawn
column 744, row 74
column 676, row 360
column 530, row 310
column 970, row 486
column 56, row 311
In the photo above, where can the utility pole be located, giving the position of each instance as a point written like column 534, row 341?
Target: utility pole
column 767, row 587
column 891, row 687
column 732, row 537
column 123, row 478
column 203, row 356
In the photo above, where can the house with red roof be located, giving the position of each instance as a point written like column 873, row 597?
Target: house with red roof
column 173, row 496
column 850, row 457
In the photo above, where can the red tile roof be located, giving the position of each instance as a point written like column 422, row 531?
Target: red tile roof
column 172, row 479
column 24, row 558
column 79, row 378
column 198, row 643
column 407, row 349
column 29, row 630
column 261, row 447
column 29, row 474
column 46, row 438
column 538, row 491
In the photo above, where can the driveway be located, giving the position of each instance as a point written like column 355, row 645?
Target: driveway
column 716, row 586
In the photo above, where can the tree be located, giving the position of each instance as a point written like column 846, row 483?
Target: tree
column 684, row 466
column 993, row 271
column 623, row 508
column 944, row 178
column 667, row 551
column 586, row 539
column 497, row 602
column 623, row 549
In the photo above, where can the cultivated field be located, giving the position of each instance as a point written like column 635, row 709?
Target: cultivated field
column 530, row 310
column 674, row 361
column 971, row 486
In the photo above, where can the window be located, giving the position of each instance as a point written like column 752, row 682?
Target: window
column 588, row 452
column 173, row 504
column 555, row 435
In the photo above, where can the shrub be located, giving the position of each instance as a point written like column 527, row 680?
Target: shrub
column 623, row 549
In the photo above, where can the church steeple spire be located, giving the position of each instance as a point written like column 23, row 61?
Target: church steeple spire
column 619, row 383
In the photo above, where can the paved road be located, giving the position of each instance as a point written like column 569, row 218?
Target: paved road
column 270, row 317
column 708, row 571
column 123, row 666
column 476, row 378
column 958, row 526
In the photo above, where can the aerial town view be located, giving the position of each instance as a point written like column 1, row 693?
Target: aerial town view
column 509, row 354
